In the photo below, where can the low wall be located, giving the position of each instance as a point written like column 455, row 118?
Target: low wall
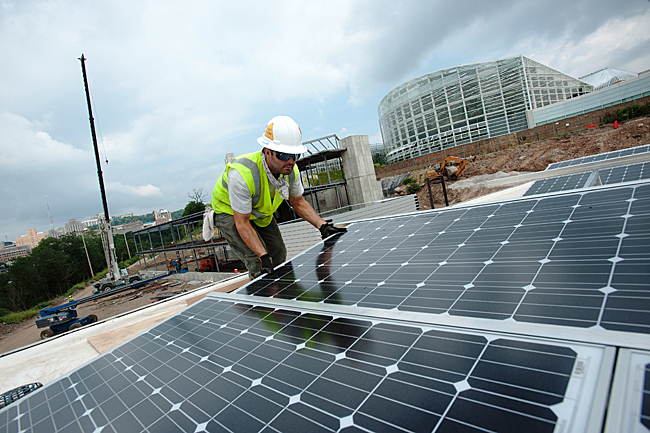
column 193, row 276
column 494, row 144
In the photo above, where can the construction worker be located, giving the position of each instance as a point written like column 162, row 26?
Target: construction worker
column 253, row 186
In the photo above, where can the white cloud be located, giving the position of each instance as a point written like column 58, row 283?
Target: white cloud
column 598, row 49
column 23, row 144
column 375, row 138
column 137, row 191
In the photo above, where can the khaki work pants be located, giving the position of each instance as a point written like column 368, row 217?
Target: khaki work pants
column 270, row 237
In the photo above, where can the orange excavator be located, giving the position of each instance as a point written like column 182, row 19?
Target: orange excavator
column 450, row 168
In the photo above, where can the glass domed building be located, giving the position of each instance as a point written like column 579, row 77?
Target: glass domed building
column 458, row 105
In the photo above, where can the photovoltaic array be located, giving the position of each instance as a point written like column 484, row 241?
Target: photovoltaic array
column 500, row 317
column 600, row 157
column 226, row 366
column 626, row 173
column 579, row 259
column 560, row 183
column 608, row 176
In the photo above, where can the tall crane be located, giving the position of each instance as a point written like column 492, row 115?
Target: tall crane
column 107, row 232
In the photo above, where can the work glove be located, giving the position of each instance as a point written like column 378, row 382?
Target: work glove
column 327, row 230
column 267, row 264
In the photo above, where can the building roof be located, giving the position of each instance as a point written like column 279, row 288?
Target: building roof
column 607, row 76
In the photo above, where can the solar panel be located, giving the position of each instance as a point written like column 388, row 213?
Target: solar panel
column 222, row 365
column 626, row 173
column 578, row 259
column 607, row 176
column 560, row 183
column 600, row 157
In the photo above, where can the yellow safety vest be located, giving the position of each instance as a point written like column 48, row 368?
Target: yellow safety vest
column 250, row 167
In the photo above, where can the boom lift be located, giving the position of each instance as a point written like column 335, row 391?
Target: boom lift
column 61, row 319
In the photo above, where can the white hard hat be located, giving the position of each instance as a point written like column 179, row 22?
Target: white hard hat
column 283, row 134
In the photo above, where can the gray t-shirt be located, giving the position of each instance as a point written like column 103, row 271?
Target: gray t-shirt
column 240, row 197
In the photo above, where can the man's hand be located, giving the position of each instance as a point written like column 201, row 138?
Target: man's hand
column 267, row 264
column 327, row 230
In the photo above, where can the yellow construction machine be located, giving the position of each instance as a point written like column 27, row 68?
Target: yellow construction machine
column 450, row 168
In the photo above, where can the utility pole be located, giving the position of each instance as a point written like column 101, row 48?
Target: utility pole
column 49, row 214
column 90, row 266
column 112, row 262
column 127, row 245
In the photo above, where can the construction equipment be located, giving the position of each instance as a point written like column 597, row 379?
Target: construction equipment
column 208, row 264
column 109, row 283
column 114, row 277
column 61, row 319
column 450, row 168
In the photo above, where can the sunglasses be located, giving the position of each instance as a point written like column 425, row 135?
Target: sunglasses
column 286, row 156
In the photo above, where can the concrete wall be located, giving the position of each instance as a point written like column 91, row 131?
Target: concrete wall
column 359, row 169
column 193, row 276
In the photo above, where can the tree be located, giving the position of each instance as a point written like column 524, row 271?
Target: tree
column 379, row 159
column 193, row 207
column 197, row 195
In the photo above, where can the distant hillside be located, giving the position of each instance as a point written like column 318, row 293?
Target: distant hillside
column 148, row 218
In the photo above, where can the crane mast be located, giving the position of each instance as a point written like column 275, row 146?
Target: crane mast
column 109, row 246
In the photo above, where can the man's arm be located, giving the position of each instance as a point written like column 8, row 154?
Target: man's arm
column 248, row 233
column 306, row 211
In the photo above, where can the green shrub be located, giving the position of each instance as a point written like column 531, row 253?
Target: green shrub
column 42, row 305
column 99, row 275
column 412, row 188
column 627, row 113
column 408, row 180
column 19, row 316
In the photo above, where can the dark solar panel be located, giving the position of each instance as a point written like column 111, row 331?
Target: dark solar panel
column 578, row 259
column 226, row 366
column 561, row 183
column 608, row 176
column 627, row 173
column 600, row 157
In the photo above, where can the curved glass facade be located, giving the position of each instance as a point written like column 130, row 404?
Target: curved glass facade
column 467, row 103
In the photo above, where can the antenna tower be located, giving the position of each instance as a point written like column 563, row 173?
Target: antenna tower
column 49, row 214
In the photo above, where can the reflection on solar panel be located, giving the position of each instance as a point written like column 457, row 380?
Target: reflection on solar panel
column 561, row 183
column 225, row 366
column 600, row 157
column 578, row 259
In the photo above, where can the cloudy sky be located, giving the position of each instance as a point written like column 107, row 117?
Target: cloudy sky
column 178, row 84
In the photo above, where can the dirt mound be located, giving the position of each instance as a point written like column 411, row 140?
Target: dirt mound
column 533, row 157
